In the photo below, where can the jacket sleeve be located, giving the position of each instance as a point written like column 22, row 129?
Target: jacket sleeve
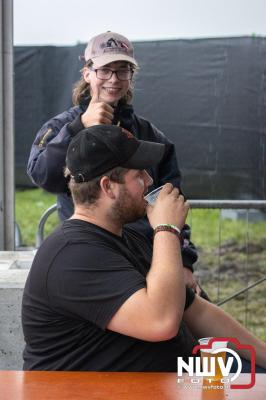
column 47, row 157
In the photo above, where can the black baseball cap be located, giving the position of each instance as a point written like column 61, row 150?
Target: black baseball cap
column 100, row 148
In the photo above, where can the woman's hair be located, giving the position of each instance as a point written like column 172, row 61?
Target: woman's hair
column 87, row 193
column 81, row 90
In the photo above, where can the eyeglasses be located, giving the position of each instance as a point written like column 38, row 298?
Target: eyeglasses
column 107, row 73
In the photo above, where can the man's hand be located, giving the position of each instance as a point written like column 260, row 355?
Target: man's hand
column 190, row 281
column 169, row 208
column 205, row 319
column 98, row 112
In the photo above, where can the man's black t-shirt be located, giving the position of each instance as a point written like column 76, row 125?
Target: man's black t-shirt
column 79, row 278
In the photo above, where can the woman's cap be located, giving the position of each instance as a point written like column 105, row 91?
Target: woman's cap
column 109, row 47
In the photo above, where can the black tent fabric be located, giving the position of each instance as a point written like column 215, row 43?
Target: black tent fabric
column 207, row 95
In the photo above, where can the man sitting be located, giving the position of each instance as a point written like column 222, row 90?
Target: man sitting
column 98, row 296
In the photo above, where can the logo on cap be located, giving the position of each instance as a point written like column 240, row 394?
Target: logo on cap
column 113, row 46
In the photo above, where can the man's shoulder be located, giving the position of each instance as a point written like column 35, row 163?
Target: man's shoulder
column 52, row 243
column 88, row 240
column 72, row 237
column 79, row 231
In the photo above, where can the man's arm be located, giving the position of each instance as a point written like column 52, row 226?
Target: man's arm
column 155, row 312
column 205, row 319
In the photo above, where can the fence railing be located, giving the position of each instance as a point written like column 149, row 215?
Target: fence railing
column 42, row 222
column 229, row 204
column 201, row 204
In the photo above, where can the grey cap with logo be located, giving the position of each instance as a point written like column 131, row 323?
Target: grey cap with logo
column 109, row 47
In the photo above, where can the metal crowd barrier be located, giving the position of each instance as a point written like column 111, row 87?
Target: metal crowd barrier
column 41, row 225
column 232, row 205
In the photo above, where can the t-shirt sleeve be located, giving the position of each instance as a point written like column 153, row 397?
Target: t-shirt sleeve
column 91, row 282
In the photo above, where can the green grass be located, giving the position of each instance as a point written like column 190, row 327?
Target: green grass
column 207, row 228
column 30, row 205
column 239, row 259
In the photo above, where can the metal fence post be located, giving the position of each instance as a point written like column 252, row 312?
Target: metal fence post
column 7, row 182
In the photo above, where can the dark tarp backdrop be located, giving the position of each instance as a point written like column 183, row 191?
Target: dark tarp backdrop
column 207, row 95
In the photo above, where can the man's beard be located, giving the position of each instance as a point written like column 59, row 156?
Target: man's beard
column 127, row 209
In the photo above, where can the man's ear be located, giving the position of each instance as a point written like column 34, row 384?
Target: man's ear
column 86, row 74
column 108, row 187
